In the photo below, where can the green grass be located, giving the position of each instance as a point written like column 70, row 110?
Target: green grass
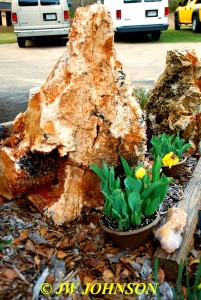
column 183, row 35
column 7, row 38
column 72, row 14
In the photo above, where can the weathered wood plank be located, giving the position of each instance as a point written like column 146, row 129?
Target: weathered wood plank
column 6, row 129
column 191, row 204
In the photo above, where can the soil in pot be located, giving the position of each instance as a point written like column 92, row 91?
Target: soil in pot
column 175, row 170
column 132, row 238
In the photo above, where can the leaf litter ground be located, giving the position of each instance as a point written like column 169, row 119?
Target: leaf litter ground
column 34, row 251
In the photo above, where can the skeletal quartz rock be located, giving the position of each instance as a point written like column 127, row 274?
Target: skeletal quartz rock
column 170, row 234
column 85, row 112
column 175, row 102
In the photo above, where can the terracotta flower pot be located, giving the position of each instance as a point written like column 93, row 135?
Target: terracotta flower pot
column 174, row 170
column 129, row 239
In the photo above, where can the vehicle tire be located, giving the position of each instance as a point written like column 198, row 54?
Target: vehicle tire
column 155, row 35
column 196, row 24
column 21, row 42
column 176, row 23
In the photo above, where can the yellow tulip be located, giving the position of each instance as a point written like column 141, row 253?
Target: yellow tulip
column 140, row 173
column 170, row 159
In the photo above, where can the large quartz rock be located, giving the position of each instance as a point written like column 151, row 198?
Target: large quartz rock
column 175, row 101
column 86, row 112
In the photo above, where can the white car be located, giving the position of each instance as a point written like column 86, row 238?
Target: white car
column 145, row 16
column 39, row 18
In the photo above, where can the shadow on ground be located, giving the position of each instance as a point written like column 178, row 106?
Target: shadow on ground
column 46, row 41
column 132, row 37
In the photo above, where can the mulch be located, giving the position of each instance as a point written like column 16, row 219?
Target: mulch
column 33, row 251
column 73, row 253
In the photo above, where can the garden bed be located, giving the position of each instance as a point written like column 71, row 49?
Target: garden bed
column 32, row 249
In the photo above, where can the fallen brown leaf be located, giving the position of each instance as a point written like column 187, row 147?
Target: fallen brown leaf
column 161, row 275
column 49, row 253
column 185, row 292
column 66, row 243
column 10, row 274
column 43, row 231
column 108, row 275
column 51, row 235
column 77, row 297
column 100, row 266
column 90, row 262
column 50, row 278
column 142, row 249
column 37, row 261
column 139, row 260
column 118, row 269
column 93, row 218
column 61, row 254
column 125, row 272
column 193, row 261
column 127, row 262
column 82, row 236
column 88, row 247
column 30, row 247
column 86, row 278
column 23, row 236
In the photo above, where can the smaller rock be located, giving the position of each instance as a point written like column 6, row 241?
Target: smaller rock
column 146, row 269
column 174, row 103
column 170, row 233
column 165, row 291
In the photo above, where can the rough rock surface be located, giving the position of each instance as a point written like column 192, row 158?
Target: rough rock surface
column 85, row 111
column 86, row 108
column 21, row 171
column 170, row 233
column 175, row 102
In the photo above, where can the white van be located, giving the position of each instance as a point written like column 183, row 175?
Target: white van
column 39, row 18
column 145, row 16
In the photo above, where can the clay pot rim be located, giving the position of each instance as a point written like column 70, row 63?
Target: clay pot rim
column 179, row 163
column 130, row 232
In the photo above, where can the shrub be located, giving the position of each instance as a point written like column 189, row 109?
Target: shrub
column 143, row 95
column 173, row 4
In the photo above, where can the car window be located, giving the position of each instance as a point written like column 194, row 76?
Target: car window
column 132, row 1
column 185, row 2
column 152, row 0
column 28, row 2
column 49, row 2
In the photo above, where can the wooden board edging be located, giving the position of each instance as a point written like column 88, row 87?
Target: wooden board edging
column 191, row 204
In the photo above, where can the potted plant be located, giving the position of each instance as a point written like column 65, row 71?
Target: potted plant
column 171, row 150
column 131, row 202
